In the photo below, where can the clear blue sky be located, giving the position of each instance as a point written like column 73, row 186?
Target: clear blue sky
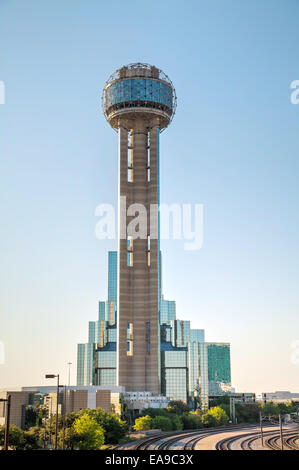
column 232, row 146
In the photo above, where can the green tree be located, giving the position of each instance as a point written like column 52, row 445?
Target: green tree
column 219, row 401
column 70, row 438
column 115, row 429
column 31, row 415
column 177, row 406
column 16, row 438
column 270, row 408
column 90, row 435
column 191, row 420
column 144, row 423
column 208, row 420
column 153, row 412
column 177, row 423
column 32, row 438
column 161, row 422
column 219, row 415
column 247, row 412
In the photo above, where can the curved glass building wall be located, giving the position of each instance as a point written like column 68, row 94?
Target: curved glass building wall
column 138, row 89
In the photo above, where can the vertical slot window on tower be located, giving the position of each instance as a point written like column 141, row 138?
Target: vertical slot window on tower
column 130, row 251
column 148, row 337
column 130, row 339
column 130, row 259
column 130, row 243
column 148, row 149
column 130, row 158
column 130, row 175
column 148, row 252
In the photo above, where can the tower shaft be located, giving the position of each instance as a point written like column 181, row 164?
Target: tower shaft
column 138, row 268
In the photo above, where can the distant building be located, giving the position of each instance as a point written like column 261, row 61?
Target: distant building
column 191, row 369
column 141, row 400
column 279, row 396
column 73, row 398
column 18, row 403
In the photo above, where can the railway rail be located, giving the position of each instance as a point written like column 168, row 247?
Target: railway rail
column 188, row 440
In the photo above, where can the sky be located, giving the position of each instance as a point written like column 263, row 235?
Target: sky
column 232, row 146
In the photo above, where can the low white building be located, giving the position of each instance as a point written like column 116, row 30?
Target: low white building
column 279, row 396
column 143, row 400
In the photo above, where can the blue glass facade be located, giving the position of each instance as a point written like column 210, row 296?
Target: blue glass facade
column 219, row 362
column 112, row 288
column 167, row 311
column 139, row 89
column 190, row 369
column 96, row 360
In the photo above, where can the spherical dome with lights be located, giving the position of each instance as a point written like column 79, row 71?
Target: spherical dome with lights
column 139, row 90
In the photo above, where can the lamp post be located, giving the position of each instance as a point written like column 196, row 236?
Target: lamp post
column 53, row 376
column 69, row 364
column 7, row 420
column 64, row 414
column 280, row 427
column 261, row 424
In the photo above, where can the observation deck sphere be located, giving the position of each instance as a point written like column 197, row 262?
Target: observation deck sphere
column 139, row 91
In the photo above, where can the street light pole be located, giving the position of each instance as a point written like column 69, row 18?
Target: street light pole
column 7, row 420
column 280, row 425
column 52, row 376
column 69, row 364
column 261, row 423
column 64, row 415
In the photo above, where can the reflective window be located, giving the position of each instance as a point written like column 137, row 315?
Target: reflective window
column 138, row 89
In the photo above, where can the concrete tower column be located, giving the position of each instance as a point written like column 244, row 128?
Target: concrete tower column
column 138, row 282
column 138, row 101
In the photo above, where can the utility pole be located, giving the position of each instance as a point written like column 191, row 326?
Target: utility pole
column 7, row 421
column 52, row 376
column 64, row 415
column 232, row 409
column 261, row 424
column 69, row 364
column 280, row 425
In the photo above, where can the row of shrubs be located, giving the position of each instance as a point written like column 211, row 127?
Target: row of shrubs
column 168, row 420
column 88, row 429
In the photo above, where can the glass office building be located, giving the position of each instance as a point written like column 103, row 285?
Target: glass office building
column 191, row 369
column 96, row 360
column 219, row 370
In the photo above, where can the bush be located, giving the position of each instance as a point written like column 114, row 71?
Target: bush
column 115, row 429
column 177, row 423
column 89, row 434
column 161, row 422
column 16, row 438
column 144, row 423
column 248, row 412
column 270, row 408
column 177, row 406
column 191, row 421
column 208, row 420
column 219, row 415
column 32, row 438
column 153, row 412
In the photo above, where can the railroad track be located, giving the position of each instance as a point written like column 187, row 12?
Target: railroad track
column 290, row 442
column 188, row 440
column 293, row 442
column 165, row 441
column 249, row 438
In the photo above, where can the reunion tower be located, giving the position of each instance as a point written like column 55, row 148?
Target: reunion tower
column 139, row 102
